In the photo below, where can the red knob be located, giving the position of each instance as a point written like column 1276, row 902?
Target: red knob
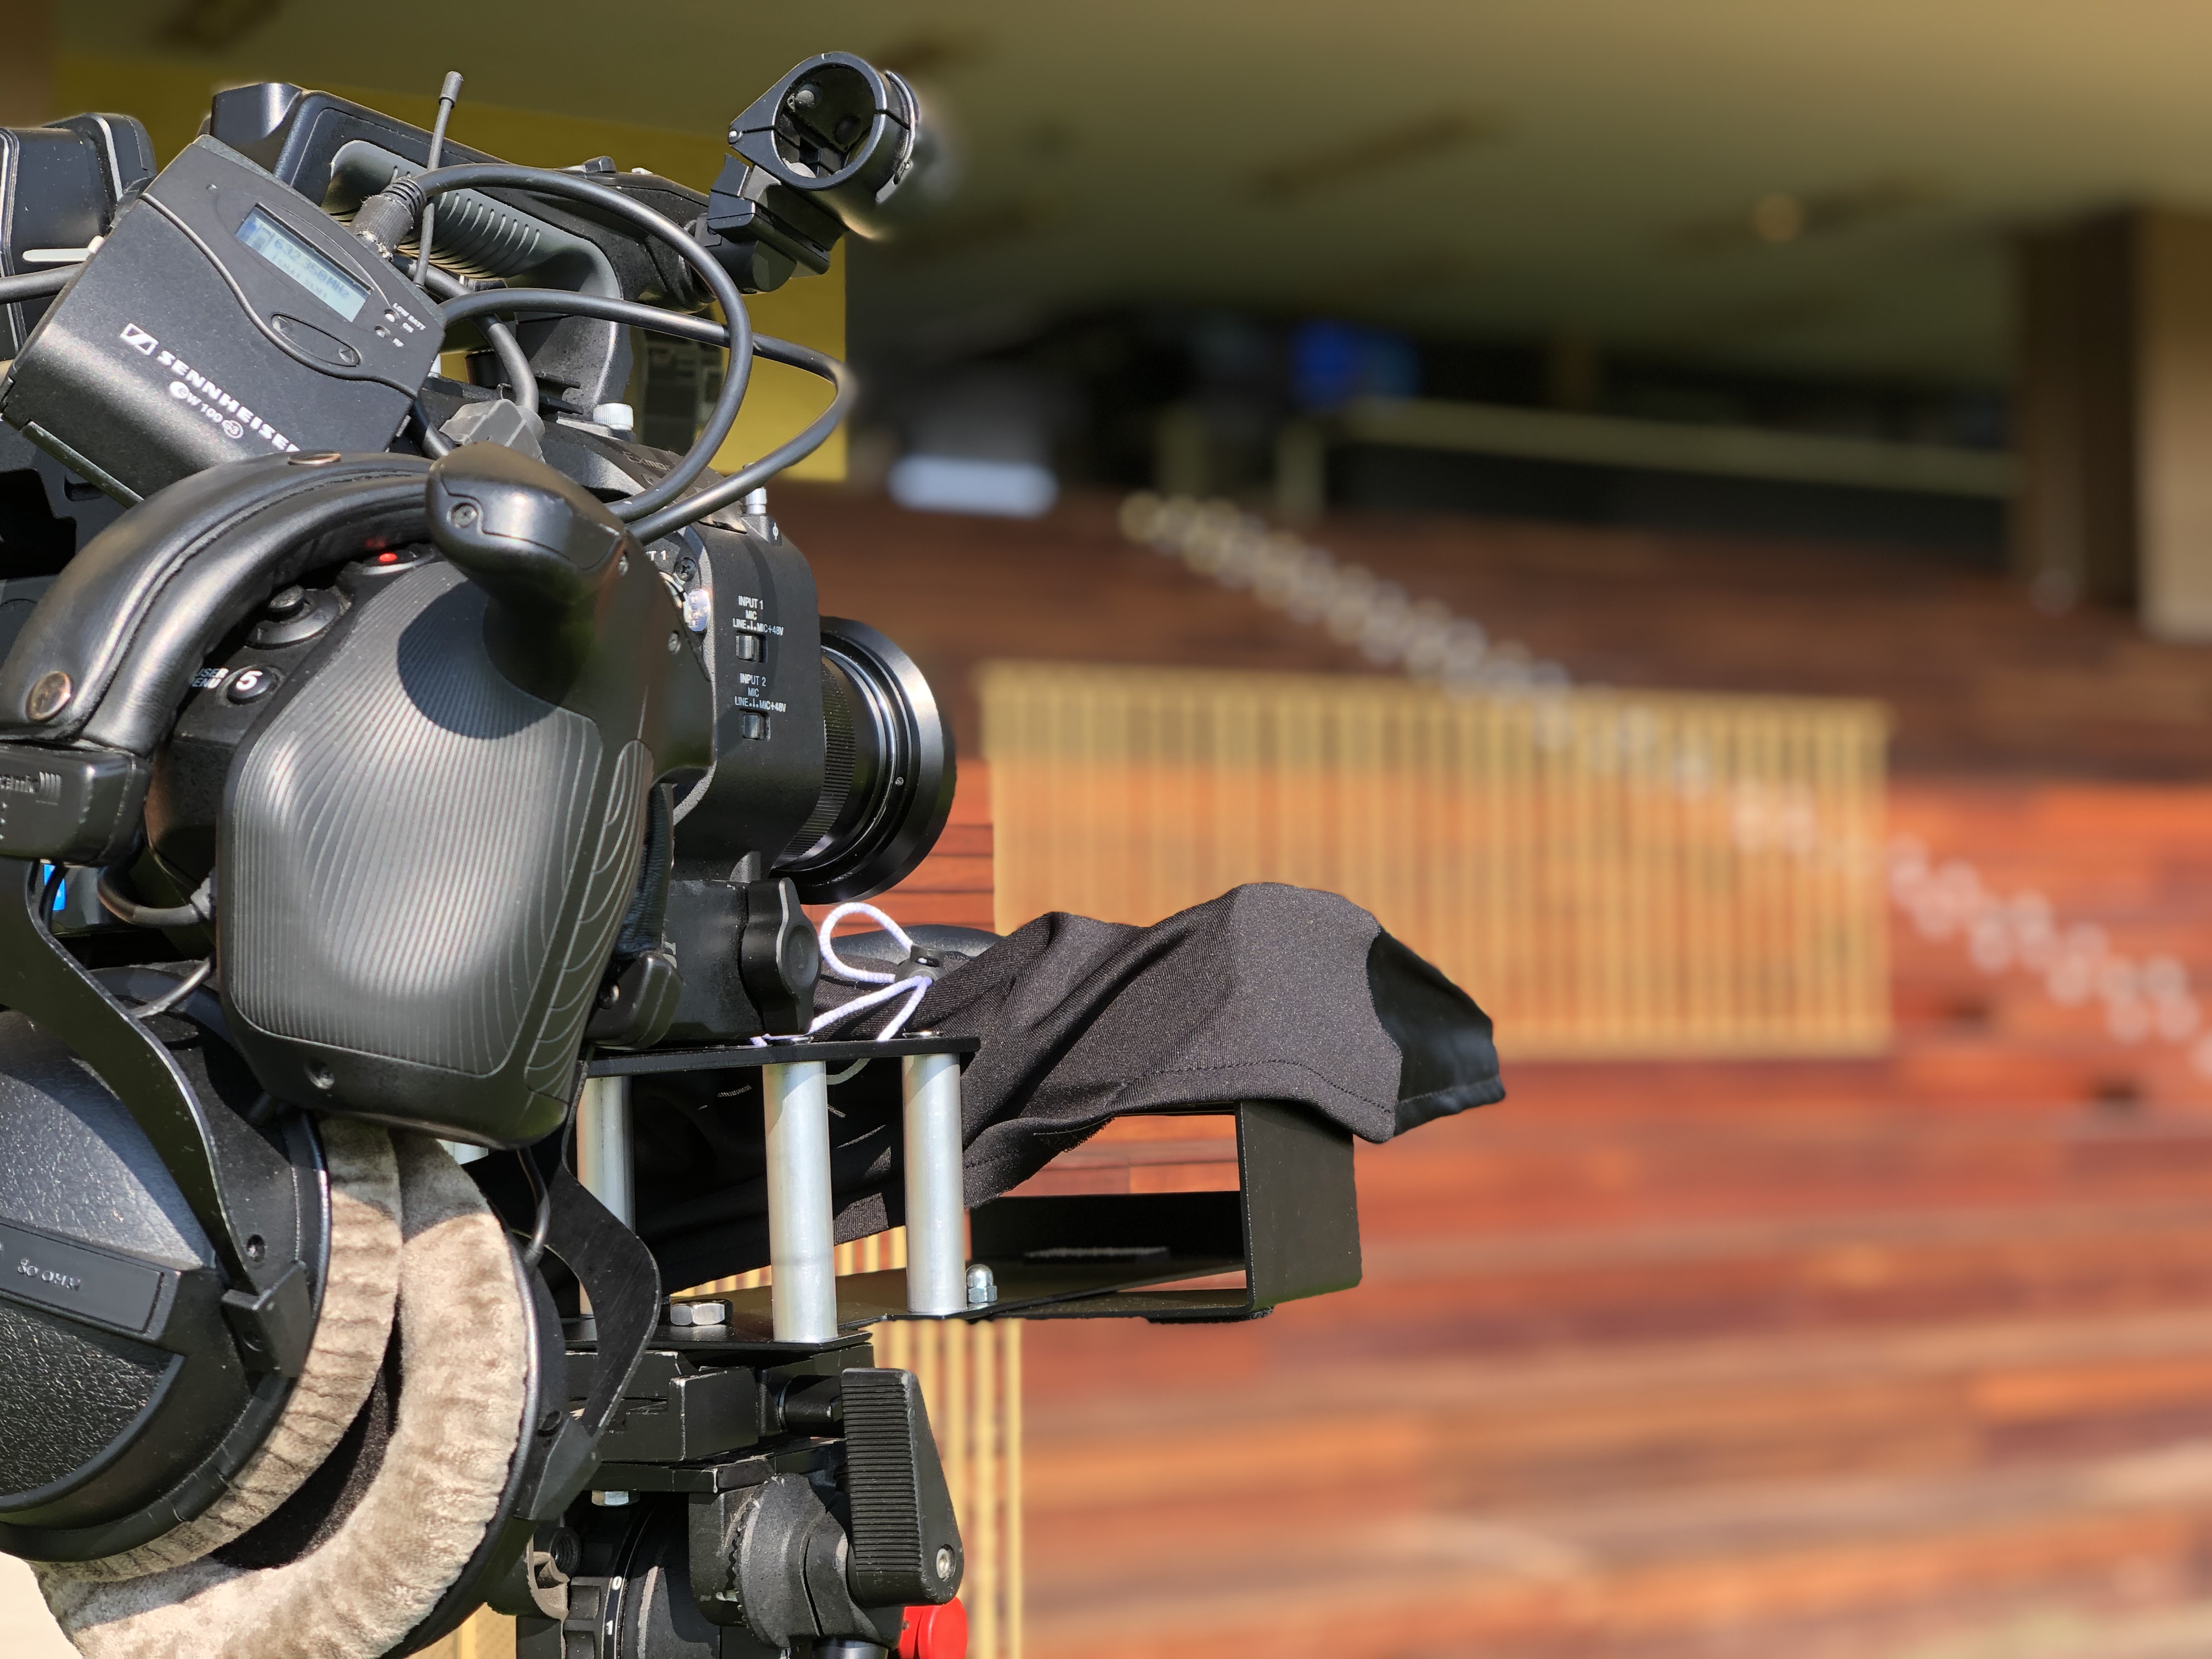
column 935, row 1632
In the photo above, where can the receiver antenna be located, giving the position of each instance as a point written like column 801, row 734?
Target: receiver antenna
column 449, row 94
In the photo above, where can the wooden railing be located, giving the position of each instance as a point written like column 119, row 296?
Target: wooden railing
column 1609, row 873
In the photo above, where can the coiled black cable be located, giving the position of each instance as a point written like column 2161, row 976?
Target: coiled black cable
column 708, row 332
column 386, row 218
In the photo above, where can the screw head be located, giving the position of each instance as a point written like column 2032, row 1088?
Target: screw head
column 320, row 1076
column 982, row 1284
column 49, row 696
column 944, row 1562
column 464, row 513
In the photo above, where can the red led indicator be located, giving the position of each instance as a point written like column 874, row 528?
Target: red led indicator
column 387, row 558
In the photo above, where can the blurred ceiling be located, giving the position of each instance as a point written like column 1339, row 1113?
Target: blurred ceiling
column 1818, row 186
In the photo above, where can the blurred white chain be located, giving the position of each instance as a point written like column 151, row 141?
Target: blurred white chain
column 2143, row 999
column 1283, row 570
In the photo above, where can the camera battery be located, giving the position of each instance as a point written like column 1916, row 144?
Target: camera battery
column 224, row 318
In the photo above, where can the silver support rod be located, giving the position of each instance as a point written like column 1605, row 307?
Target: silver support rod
column 603, row 1145
column 801, row 1241
column 602, row 1150
column 936, row 1245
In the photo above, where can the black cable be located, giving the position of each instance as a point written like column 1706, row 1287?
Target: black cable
column 33, row 284
column 534, row 1250
column 710, row 332
column 168, row 999
column 477, row 175
column 125, row 907
column 511, row 358
column 752, row 476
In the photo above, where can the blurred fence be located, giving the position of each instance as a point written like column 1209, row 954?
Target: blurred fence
column 1610, row 873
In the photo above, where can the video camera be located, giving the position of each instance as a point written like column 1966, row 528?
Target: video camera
column 393, row 751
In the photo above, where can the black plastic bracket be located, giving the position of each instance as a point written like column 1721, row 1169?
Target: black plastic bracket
column 617, row 1272
column 1292, row 1227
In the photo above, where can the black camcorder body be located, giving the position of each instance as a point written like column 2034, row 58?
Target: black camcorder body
column 399, row 767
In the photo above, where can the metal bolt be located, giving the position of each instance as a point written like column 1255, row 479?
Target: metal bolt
column 49, row 696
column 982, row 1284
column 464, row 513
column 675, row 642
column 613, row 1500
column 321, row 1078
column 944, row 1562
column 693, row 1314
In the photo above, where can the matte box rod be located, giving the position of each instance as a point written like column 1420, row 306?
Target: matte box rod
column 603, row 1165
column 801, row 1241
column 936, row 1212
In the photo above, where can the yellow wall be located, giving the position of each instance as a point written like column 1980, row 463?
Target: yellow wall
column 172, row 99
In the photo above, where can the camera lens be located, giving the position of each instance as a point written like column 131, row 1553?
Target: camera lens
column 887, row 787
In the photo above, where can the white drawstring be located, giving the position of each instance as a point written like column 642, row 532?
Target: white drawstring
column 838, row 967
column 913, row 989
column 889, row 986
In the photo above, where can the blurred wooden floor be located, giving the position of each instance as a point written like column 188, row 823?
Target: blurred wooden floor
column 1854, row 1357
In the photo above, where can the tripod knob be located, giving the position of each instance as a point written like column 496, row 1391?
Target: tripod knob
column 939, row 1632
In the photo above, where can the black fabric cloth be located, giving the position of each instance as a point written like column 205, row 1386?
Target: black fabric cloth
column 1267, row 993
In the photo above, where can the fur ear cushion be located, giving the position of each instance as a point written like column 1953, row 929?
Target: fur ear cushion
column 351, row 1333
column 463, row 1363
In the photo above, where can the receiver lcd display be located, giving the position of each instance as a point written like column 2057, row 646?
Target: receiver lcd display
column 303, row 264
